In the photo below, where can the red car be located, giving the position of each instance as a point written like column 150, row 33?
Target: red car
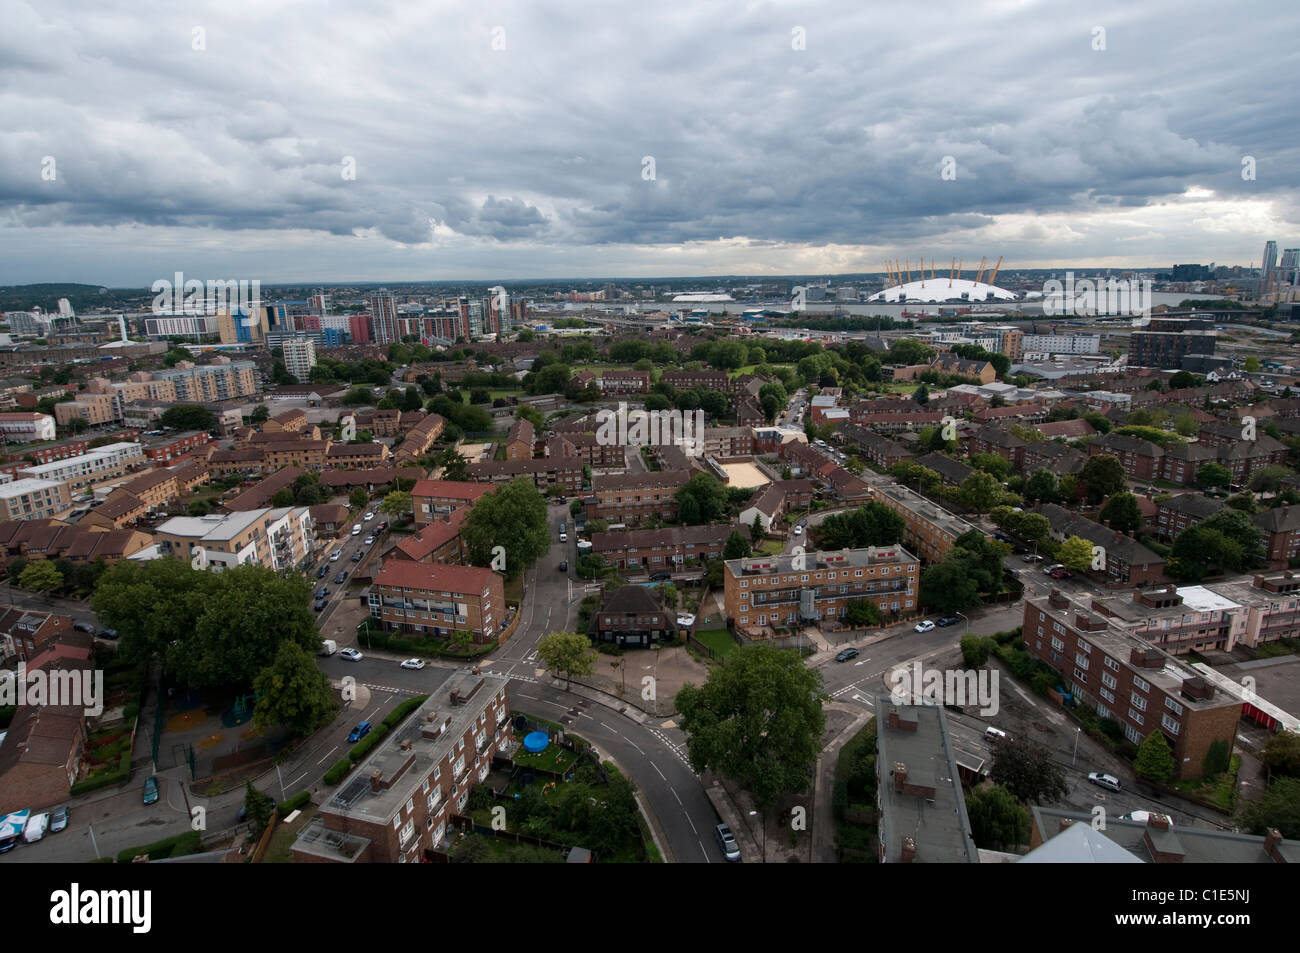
column 1062, row 574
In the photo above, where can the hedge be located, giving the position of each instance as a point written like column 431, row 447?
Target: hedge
column 179, row 846
column 120, row 775
column 436, row 648
column 402, row 710
column 362, row 747
column 340, row 769
column 294, row 803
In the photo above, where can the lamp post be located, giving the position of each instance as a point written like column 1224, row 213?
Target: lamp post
column 762, row 826
column 1077, row 731
column 967, row 619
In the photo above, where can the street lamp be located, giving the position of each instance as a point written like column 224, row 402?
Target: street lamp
column 1077, row 732
column 964, row 616
column 762, row 826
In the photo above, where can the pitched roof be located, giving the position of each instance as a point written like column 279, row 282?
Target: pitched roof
column 405, row 574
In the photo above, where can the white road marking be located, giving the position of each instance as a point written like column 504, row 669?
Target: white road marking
column 679, row 800
column 636, row 746
column 657, row 771
column 327, row 756
column 603, row 725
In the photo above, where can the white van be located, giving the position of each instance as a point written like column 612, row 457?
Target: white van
column 36, row 827
column 994, row 734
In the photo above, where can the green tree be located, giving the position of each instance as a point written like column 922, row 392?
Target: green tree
column 293, row 692
column 462, row 639
column 702, row 500
column 1269, row 479
column 41, row 576
column 1042, row 486
column 1212, row 474
column 568, row 653
column 756, row 530
column 1251, row 365
column 513, row 517
column 1027, row 771
column 980, row 491
column 758, row 720
column 1103, row 475
column 358, row 397
column 737, row 547
column 258, row 807
column 396, row 504
column 1217, row 758
column 359, row 497
column 1121, row 513
column 282, row 497
column 260, row 414
column 1155, row 762
column 974, row 650
column 1076, row 553
column 188, row 417
column 772, row 398
column 871, row 525
column 997, row 820
column 861, row 613
column 1278, row 808
column 1282, row 754
column 1000, row 467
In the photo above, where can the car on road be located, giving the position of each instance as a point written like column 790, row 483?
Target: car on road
column 948, row 620
column 414, row 663
column 150, row 790
column 564, row 565
column 368, row 517
column 58, row 819
column 352, row 655
column 88, row 627
column 846, row 654
column 1048, row 570
column 322, row 572
column 356, row 557
column 370, row 541
column 727, row 841
column 798, row 530
column 110, row 634
column 318, row 605
column 1062, row 573
column 359, row 732
column 661, row 576
column 1033, row 558
column 1108, row 781
column 356, row 530
column 924, row 626
column 322, row 592
column 335, row 555
column 341, row 578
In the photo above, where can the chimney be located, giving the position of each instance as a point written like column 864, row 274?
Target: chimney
column 909, row 849
column 1057, row 600
column 1065, row 822
column 1158, row 821
column 900, row 775
column 455, row 698
column 376, row 780
column 406, row 744
column 1272, row 841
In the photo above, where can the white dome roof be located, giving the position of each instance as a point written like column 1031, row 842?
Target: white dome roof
column 944, row 289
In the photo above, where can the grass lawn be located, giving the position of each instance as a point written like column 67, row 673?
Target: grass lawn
column 1218, row 791
column 770, row 547
column 515, row 589
column 750, row 368
column 554, row 758
column 719, row 640
column 280, row 850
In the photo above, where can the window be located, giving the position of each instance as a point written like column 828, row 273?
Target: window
column 1109, row 696
column 408, row 831
column 1138, row 701
column 1140, row 684
column 410, row 805
column 1170, row 724
column 1057, row 644
column 1081, row 660
column 1173, row 706
column 1111, row 664
column 1135, row 717
column 397, row 821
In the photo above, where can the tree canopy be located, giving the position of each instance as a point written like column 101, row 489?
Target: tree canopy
column 513, row 517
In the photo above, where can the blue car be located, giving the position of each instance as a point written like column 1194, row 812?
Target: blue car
column 359, row 732
column 150, row 790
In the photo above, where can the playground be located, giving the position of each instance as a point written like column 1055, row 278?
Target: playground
column 211, row 734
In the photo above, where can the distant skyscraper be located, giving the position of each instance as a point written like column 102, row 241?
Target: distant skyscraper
column 1269, row 263
column 300, row 358
column 383, row 309
column 1290, row 268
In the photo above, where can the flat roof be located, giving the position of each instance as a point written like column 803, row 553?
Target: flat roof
column 1205, row 600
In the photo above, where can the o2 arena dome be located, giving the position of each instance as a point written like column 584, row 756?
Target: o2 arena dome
column 935, row 290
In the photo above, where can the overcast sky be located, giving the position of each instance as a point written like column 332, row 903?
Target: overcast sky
column 499, row 140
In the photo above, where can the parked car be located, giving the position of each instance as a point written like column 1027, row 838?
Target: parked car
column 36, row 827
column 322, row 592
column 352, row 655
column 322, row 572
column 1142, row 817
column 359, row 732
column 1033, row 558
column 1062, row 573
column 949, row 620
column 370, row 541
column 368, row 517
column 356, row 557
column 414, row 663
column 318, row 605
column 798, row 530
column 727, row 841
column 685, row 621
column 341, row 578
column 661, row 577
column 924, row 626
column 1108, row 781
column 1048, row 570
column 150, row 790
column 563, row 499
column 88, row 627
column 356, row 530
column 335, row 555
column 846, row 654
column 59, row 819
column 110, row 634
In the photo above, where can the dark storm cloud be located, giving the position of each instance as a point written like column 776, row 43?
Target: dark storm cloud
column 524, row 132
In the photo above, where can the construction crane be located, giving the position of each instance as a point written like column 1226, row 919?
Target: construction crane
column 996, row 269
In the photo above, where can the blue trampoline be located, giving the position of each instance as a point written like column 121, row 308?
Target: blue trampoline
column 536, row 741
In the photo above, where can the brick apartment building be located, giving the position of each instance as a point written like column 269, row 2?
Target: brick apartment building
column 619, row 383
column 434, row 499
column 929, row 529
column 437, row 600
column 395, row 805
column 655, row 549
column 1125, row 678
column 545, row 472
column 719, row 381
column 519, row 441
column 631, row 498
column 1127, row 561
column 1179, row 512
column 1281, row 528
column 631, row 617
column 770, row 591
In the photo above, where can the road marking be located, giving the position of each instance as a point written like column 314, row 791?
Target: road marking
column 327, row 757
column 657, row 771
column 296, row 780
column 603, row 725
column 691, row 822
column 679, row 800
column 636, row 746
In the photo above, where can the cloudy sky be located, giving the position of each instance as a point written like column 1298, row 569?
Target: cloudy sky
column 301, row 140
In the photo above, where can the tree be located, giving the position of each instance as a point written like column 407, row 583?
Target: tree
column 359, row 497
column 1278, row 808
column 997, row 820
column 188, row 417
column 1042, row 486
column 1000, row 467
column 293, row 692
column 1103, row 475
column 1282, row 754
column 702, row 500
column 1076, row 553
column 358, row 397
column 871, row 525
column 76, row 425
column 861, row 613
column 921, row 395
column 1121, row 513
column 260, row 414
column 757, row 720
column 41, row 576
column 258, row 808
column 396, row 504
column 974, row 651
column 462, row 639
column 737, row 547
column 1212, row 474
column 1250, row 365
column 1155, row 762
column 1027, row 771
column 980, row 491
column 199, row 508
column 1269, row 479
column 756, row 530
column 569, row 653
column 512, row 517
column 282, row 497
